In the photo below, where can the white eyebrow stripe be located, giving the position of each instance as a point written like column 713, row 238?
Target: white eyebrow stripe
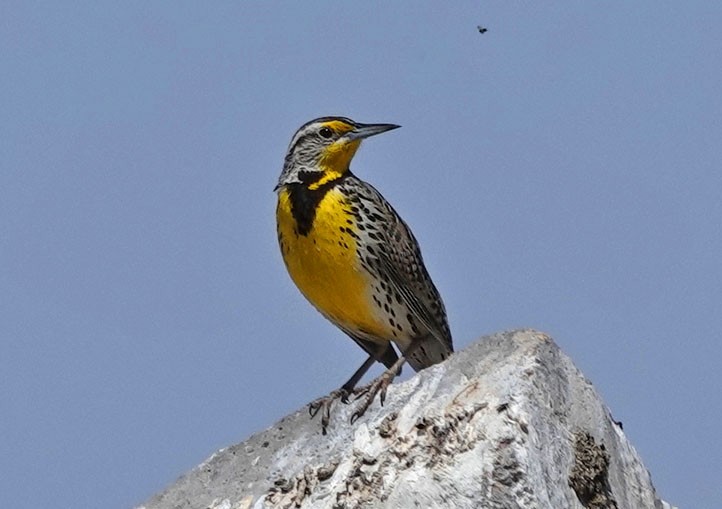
column 301, row 133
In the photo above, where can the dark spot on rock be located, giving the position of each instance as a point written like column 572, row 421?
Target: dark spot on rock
column 589, row 477
column 388, row 426
column 326, row 471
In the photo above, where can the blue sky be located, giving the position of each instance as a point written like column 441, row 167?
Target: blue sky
column 561, row 172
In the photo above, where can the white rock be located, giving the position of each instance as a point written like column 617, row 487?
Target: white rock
column 508, row 422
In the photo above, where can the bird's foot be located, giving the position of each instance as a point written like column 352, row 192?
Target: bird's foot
column 324, row 405
column 370, row 391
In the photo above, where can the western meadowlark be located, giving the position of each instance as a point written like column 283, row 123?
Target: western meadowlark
column 355, row 259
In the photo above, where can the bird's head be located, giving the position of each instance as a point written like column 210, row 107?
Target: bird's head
column 322, row 149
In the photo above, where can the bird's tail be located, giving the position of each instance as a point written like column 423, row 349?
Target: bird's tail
column 429, row 351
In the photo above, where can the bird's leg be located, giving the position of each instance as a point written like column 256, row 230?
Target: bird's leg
column 381, row 384
column 343, row 393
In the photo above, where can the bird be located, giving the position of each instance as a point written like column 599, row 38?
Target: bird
column 355, row 260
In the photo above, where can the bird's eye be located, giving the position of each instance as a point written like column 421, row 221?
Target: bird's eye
column 325, row 132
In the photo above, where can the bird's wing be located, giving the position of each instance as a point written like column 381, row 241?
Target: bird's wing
column 399, row 261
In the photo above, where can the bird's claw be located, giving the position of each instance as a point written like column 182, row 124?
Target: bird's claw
column 377, row 386
column 325, row 403
column 355, row 416
column 314, row 407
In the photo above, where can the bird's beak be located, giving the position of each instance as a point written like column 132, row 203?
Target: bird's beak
column 362, row 131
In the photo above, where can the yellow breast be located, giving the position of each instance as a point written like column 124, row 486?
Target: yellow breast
column 324, row 264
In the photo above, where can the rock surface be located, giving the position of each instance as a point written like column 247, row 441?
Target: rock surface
column 507, row 422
